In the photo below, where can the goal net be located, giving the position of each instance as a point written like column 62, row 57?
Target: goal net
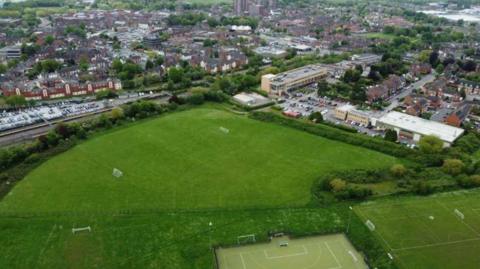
column 117, row 173
column 370, row 225
column 246, row 239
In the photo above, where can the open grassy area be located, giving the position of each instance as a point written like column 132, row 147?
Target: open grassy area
column 155, row 240
column 441, row 231
column 185, row 161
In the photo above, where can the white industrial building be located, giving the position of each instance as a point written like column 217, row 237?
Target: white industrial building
column 413, row 128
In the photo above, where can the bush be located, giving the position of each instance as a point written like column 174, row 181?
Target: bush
column 357, row 193
column 196, row 99
column 430, row 144
column 316, row 117
column 338, row 185
column 391, row 135
column 107, row 94
column 469, row 182
column 422, row 188
column 398, row 170
column 453, row 166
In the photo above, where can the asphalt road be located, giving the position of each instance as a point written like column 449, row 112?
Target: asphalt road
column 395, row 100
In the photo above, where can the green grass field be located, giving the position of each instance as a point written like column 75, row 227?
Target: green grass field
column 181, row 173
column 184, row 161
column 428, row 232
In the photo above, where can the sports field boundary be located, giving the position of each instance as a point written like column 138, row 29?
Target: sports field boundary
column 270, row 240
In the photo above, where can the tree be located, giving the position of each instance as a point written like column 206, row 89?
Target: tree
column 391, row 135
column 50, row 65
column 351, row 75
column 16, row 101
column 430, row 144
column 149, row 65
column 323, row 88
column 398, row 170
column 3, row 68
column 175, row 74
column 117, row 65
column 453, row 166
column 338, row 185
column 316, row 117
column 433, row 59
column 440, row 68
column 49, row 39
column 83, row 64
column 116, row 114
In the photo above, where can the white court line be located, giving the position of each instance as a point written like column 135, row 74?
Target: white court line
column 437, row 244
column 243, row 262
column 47, row 241
column 333, row 254
column 461, row 220
column 360, row 213
column 305, row 252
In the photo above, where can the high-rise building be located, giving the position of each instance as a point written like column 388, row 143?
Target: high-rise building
column 240, row 7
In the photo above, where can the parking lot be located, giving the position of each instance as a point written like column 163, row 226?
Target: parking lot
column 306, row 101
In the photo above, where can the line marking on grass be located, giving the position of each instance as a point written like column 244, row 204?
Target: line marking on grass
column 46, row 241
column 305, row 252
column 437, row 244
column 334, row 256
column 243, row 261
column 461, row 220
column 359, row 212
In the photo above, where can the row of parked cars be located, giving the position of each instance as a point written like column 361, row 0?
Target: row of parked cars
column 15, row 119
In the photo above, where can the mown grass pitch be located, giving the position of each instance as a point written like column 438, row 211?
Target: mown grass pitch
column 185, row 161
column 429, row 232
column 319, row 252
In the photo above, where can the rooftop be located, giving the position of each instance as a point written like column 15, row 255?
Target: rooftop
column 299, row 73
column 421, row 126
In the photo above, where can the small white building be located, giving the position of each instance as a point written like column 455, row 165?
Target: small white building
column 413, row 128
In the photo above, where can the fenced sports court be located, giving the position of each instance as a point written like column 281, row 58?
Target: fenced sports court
column 317, row 252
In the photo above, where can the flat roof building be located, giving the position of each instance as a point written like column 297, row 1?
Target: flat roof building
column 350, row 113
column 293, row 79
column 414, row 128
column 13, row 52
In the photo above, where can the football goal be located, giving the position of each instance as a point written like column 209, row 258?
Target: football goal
column 117, row 173
column 246, row 239
column 370, row 225
column 82, row 229
column 459, row 214
column 224, row 130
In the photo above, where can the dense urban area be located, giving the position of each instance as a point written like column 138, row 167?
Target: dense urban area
column 240, row 134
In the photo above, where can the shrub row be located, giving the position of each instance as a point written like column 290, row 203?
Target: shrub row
column 336, row 134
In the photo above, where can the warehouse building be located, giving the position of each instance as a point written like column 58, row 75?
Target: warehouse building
column 293, row 79
column 413, row 128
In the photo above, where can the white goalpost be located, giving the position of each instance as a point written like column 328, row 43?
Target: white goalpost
column 117, row 173
column 244, row 239
column 459, row 214
column 370, row 225
column 82, row 229
column 224, row 130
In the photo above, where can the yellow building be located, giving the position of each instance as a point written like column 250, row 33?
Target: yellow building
column 349, row 113
column 266, row 83
column 296, row 78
